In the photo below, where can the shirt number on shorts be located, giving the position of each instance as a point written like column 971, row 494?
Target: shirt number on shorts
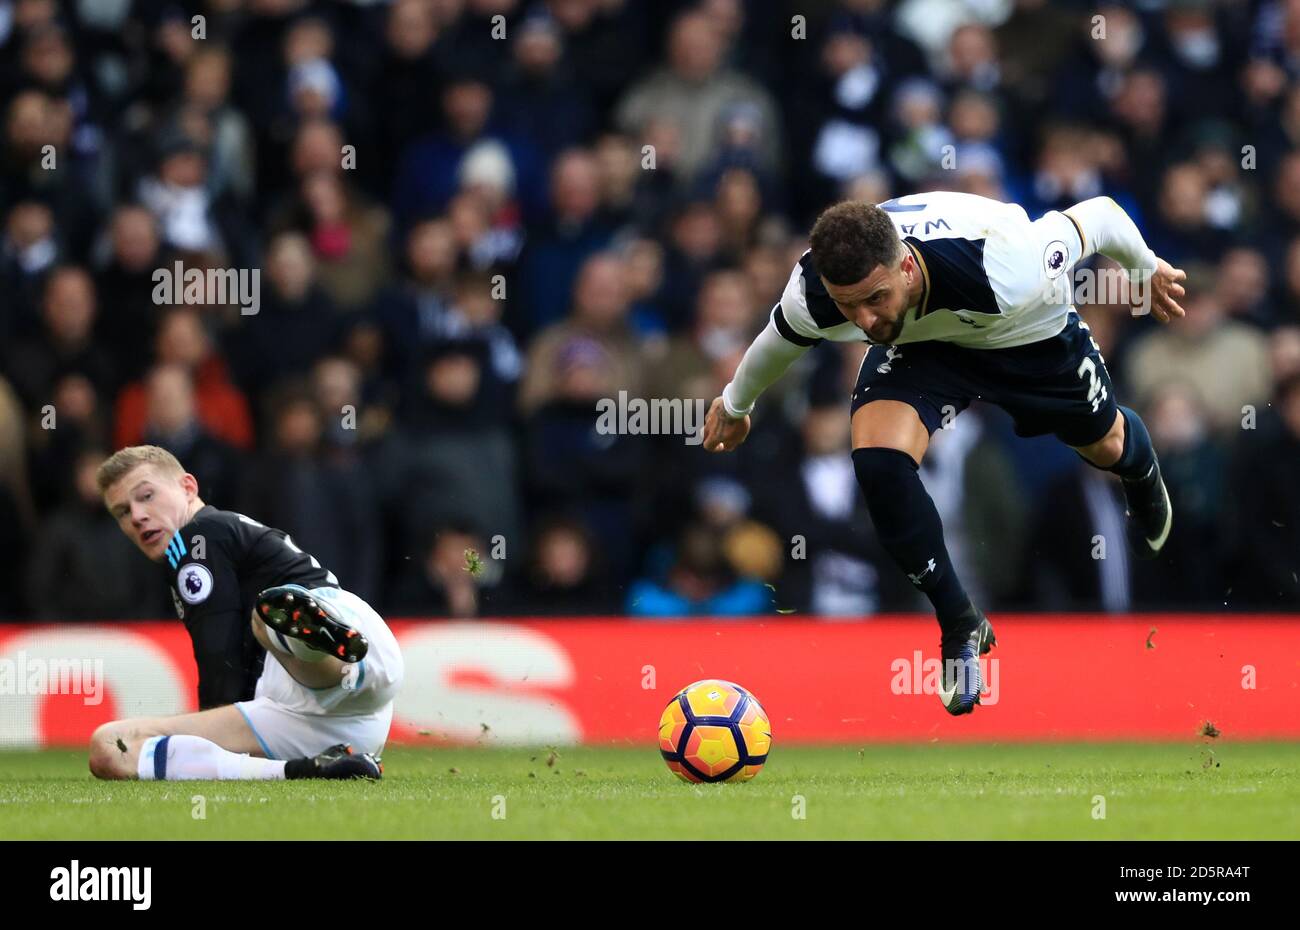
column 1096, row 390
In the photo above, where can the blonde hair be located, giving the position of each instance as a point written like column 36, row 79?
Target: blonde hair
column 117, row 465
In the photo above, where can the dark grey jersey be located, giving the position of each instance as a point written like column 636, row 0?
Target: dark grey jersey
column 216, row 566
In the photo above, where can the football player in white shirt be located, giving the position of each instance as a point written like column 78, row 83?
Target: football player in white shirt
column 961, row 297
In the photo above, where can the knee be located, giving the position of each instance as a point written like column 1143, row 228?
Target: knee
column 107, row 756
column 1109, row 451
column 880, row 470
column 1106, row 451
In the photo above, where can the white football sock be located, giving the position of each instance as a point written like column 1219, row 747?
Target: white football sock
column 183, row 758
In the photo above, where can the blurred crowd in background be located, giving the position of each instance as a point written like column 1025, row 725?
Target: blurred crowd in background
column 464, row 244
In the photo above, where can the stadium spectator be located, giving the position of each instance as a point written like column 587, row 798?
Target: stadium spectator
column 476, row 315
column 569, row 465
column 38, row 127
column 1182, row 229
column 29, row 250
column 739, row 204
column 977, row 493
column 632, row 199
column 1284, row 352
column 413, row 311
column 378, row 387
column 460, row 462
column 1226, row 361
column 348, row 236
column 316, row 147
column 336, row 389
column 1065, row 171
column 701, row 98
column 607, row 43
column 76, row 418
column 1193, row 463
column 287, row 482
column 125, row 284
column 172, row 422
column 1288, row 304
column 445, row 578
column 1242, row 283
column 17, row 507
column 411, row 65
column 1263, row 534
column 427, row 176
column 922, row 135
column 540, row 97
column 645, row 276
column 848, row 89
column 222, row 407
column 565, row 574
column 206, row 102
column 484, row 219
column 81, row 567
column 698, row 582
column 211, row 229
column 972, row 58
column 1287, row 201
column 573, row 231
column 598, row 326
column 834, row 565
column 65, row 342
column 295, row 315
column 694, row 248
column 1077, row 557
column 726, row 317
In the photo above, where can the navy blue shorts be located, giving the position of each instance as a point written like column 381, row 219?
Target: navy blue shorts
column 1058, row 385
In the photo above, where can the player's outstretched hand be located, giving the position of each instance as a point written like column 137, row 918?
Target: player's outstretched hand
column 1166, row 291
column 722, row 433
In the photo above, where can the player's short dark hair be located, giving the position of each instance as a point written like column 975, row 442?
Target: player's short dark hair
column 850, row 239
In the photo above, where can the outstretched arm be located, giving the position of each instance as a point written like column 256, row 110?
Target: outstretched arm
column 727, row 423
column 765, row 361
column 1103, row 227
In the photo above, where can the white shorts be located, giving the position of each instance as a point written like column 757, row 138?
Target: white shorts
column 291, row 720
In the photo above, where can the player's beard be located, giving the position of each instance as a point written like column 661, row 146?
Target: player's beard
column 888, row 337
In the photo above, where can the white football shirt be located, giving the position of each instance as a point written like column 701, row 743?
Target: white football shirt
column 992, row 277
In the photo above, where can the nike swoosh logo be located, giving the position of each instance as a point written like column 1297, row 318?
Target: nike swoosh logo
column 1159, row 542
column 947, row 696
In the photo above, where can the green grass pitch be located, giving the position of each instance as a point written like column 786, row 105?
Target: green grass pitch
column 935, row 791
